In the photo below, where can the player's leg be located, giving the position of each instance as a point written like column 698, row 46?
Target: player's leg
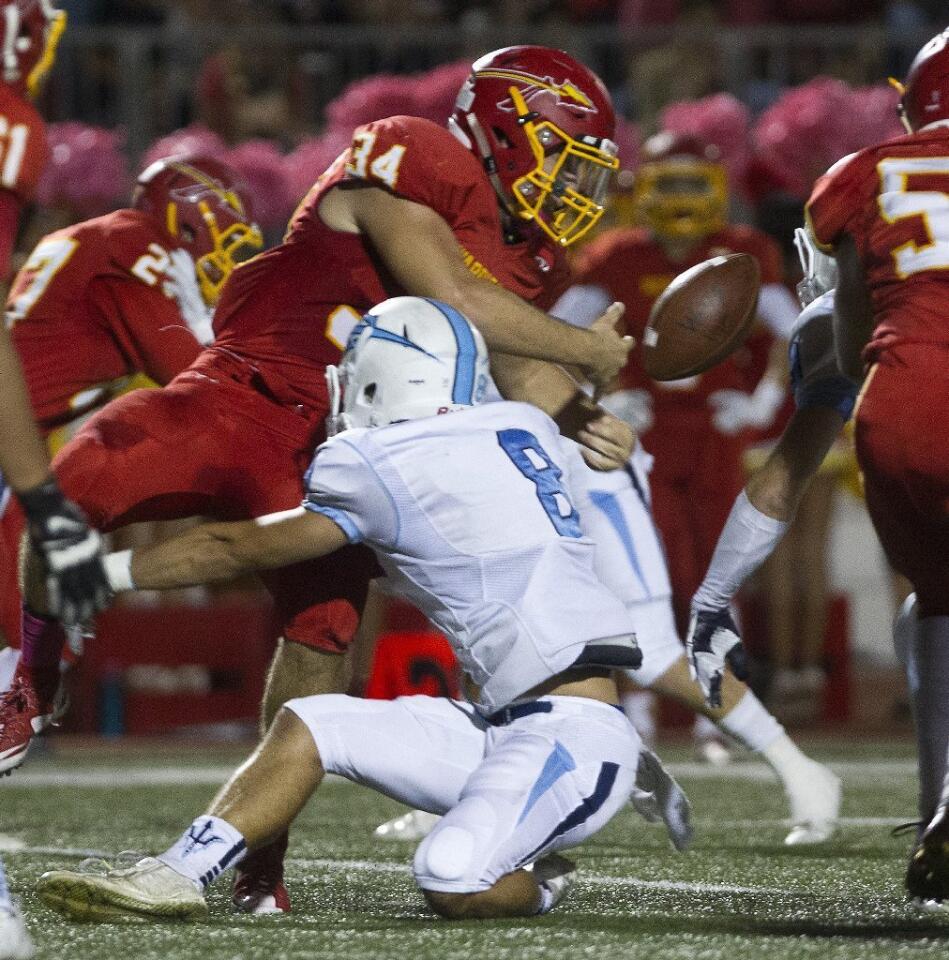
column 548, row 781
column 15, row 942
column 419, row 750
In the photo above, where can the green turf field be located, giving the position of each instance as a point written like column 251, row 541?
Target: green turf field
column 738, row 894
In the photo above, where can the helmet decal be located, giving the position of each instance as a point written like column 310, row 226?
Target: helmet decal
column 567, row 93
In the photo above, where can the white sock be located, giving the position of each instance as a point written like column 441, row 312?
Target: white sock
column 9, row 658
column 931, row 708
column 638, row 707
column 747, row 540
column 5, row 900
column 704, row 729
column 205, row 850
column 751, row 724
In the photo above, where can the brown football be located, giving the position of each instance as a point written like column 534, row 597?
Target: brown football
column 701, row 317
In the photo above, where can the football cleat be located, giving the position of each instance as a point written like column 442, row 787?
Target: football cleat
column 815, row 807
column 414, row 825
column 149, row 890
column 258, row 881
column 713, row 751
column 927, row 879
column 556, row 875
column 23, row 714
column 15, row 942
column 659, row 798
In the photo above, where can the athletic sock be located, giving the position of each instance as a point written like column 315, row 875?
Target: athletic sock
column 751, row 724
column 42, row 647
column 931, row 709
column 638, row 707
column 205, row 850
column 6, row 901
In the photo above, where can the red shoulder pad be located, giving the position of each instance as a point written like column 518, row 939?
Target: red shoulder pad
column 839, row 195
column 134, row 243
column 23, row 146
column 417, row 159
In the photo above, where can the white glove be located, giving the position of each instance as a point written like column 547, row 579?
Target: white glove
column 734, row 410
column 713, row 641
column 181, row 283
column 631, row 406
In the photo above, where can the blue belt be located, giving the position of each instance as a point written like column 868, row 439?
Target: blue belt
column 506, row 715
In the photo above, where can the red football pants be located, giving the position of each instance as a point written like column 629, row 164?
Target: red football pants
column 901, row 422
column 211, row 444
column 11, row 531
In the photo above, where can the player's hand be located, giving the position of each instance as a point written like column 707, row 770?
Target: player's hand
column 71, row 553
column 735, row 410
column 631, row 406
column 610, row 351
column 713, row 641
column 606, row 442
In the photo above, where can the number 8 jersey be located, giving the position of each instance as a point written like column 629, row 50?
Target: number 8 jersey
column 893, row 199
column 471, row 518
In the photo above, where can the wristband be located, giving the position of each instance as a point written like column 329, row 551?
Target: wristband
column 118, row 570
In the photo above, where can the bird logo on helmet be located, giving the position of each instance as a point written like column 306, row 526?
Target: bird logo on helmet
column 542, row 125
column 924, row 96
column 680, row 191
column 31, row 32
column 204, row 207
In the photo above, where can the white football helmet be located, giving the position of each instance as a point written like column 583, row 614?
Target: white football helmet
column 409, row 357
column 820, row 270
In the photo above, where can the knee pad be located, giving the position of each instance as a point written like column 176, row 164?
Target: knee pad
column 445, row 855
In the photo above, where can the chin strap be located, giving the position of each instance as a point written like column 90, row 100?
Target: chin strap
column 336, row 419
column 488, row 161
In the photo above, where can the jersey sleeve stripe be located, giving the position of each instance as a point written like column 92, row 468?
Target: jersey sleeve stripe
column 341, row 519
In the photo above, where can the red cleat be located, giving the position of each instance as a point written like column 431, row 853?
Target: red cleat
column 23, row 714
column 258, row 881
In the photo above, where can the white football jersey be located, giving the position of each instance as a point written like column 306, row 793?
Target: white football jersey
column 470, row 517
column 816, row 380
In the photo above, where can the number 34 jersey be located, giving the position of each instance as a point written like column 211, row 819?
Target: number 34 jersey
column 96, row 302
column 893, row 199
column 471, row 518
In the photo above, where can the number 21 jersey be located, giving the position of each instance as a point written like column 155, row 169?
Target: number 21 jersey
column 893, row 199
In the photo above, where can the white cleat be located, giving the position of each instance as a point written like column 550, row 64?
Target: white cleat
column 713, row 752
column 15, row 942
column 148, row 890
column 414, row 825
column 659, row 798
column 815, row 808
column 556, row 875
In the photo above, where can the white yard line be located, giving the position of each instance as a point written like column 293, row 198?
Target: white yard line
column 173, row 776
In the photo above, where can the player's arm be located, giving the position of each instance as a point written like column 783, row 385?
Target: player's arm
column 23, row 459
column 420, row 251
column 216, row 552
column 853, row 315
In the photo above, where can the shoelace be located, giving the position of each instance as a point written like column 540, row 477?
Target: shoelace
column 98, row 866
column 904, row 828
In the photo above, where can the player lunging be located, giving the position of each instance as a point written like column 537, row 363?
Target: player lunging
column 468, row 511
column 478, row 221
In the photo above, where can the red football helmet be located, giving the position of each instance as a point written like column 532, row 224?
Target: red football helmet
column 204, row 207
column 31, row 30
column 542, row 124
column 681, row 187
column 925, row 94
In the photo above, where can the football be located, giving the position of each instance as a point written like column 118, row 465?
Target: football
column 701, row 317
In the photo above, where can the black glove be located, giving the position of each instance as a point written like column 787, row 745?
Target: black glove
column 76, row 584
column 712, row 642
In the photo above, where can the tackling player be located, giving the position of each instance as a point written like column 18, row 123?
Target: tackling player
column 477, row 217
column 131, row 291
column 467, row 507
column 70, row 551
column 884, row 212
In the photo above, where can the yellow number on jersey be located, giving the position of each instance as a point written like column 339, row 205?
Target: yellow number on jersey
column 385, row 167
column 49, row 257
column 340, row 324
column 897, row 201
column 150, row 266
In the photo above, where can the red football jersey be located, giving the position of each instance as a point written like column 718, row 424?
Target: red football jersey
column 893, row 199
column 23, row 146
column 289, row 311
column 91, row 305
column 634, row 269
